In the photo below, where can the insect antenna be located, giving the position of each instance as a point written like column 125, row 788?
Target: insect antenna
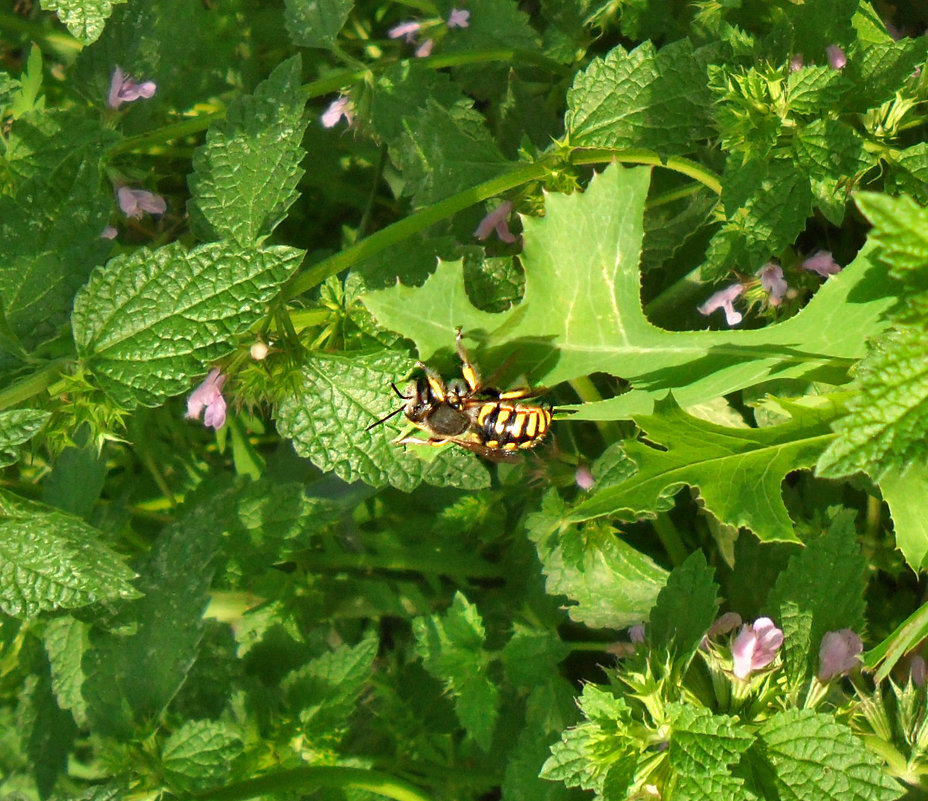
column 394, row 413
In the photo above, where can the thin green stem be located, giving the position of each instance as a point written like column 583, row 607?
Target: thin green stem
column 670, row 538
column 597, row 155
column 303, row 780
column 439, row 565
column 33, row 384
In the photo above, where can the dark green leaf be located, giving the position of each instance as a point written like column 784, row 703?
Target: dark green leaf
column 686, row 606
column 316, row 23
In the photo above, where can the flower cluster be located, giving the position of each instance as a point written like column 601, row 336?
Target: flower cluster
column 409, row 30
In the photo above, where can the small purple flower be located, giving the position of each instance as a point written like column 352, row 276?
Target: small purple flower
column 208, row 396
column 724, row 624
column 584, row 478
column 823, row 263
column 496, row 220
column 135, row 202
column 123, row 89
column 338, row 108
column 636, row 633
column 838, row 654
column 771, row 279
column 459, row 18
column 796, row 62
column 836, row 57
column 425, row 49
column 405, row 30
column 109, row 232
column 755, row 647
column 723, row 299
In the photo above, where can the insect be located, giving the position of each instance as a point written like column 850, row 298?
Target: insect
column 481, row 419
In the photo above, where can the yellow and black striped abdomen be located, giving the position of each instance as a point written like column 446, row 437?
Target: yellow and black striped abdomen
column 509, row 426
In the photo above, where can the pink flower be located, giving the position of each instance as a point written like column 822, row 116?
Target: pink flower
column 755, row 647
column 496, row 220
column 636, row 633
column 584, row 478
column 836, row 57
column 838, row 654
column 134, row 202
column 109, row 232
column 724, row 624
column 723, row 299
column 406, row 30
column 208, row 396
column 425, row 49
column 459, row 18
column 338, row 108
column 771, row 279
column 795, row 63
column 124, row 90
column 823, row 263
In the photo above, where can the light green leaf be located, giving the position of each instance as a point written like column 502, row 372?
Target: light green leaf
column 645, row 98
column 811, row 88
column 199, row 753
column 738, row 471
column 685, row 608
column 50, row 560
column 911, row 175
column 84, row 19
column 904, row 490
column 16, row 427
column 148, row 322
column 888, row 414
column 451, row 647
column 531, row 656
column 316, row 23
column 880, row 69
column 581, row 312
column 245, row 176
column 609, row 583
column 900, row 233
column 705, row 744
column 804, row 611
column 815, row 758
column 66, row 640
column 906, row 636
column 341, row 395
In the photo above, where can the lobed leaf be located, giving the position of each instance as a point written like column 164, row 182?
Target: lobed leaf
column 147, row 323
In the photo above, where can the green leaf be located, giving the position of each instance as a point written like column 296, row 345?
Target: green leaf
column 16, row 427
column 887, row 417
column 66, row 640
column 148, row 322
column 84, row 19
column 451, row 647
column 600, row 325
column 328, row 419
column 47, row 730
column 811, row 88
column 245, row 176
column 199, row 753
column 738, row 471
column 316, row 23
column 686, row 606
column 804, row 611
column 817, row 23
column 50, row 560
column 609, row 583
column 532, row 655
column 76, row 481
column 900, row 233
column 904, row 490
column 880, row 69
column 704, row 744
column 325, row 690
column 815, row 758
column 444, row 151
column 131, row 678
column 911, row 175
column 906, row 636
column 645, row 98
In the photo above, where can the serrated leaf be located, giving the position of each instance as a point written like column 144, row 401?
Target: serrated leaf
column 50, row 560
column 245, row 176
column 328, row 419
column 316, row 23
column 16, row 427
column 699, row 788
column 130, row 678
column 887, row 417
column 810, row 89
column 148, row 322
column 704, row 744
column 451, row 647
column 199, row 754
column 805, row 610
column 911, row 175
column 900, row 232
column 738, row 471
column 686, row 606
column 581, row 312
column 531, row 656
column 815, row 758
column 643, row 98
column 880, row 69
column 904, row 490
column 66, row 640
column 47, row 730
column 84, row 19
column 609, row 583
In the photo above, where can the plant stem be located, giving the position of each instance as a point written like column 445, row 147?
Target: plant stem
column 597, row 155
column 306, row 779
column 32, row 384
column 455, row 565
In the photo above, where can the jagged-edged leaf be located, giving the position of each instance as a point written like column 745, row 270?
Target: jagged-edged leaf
column 904, row 490
column 738, row 471
column 148, row 322
column 340, row 397
column 815, row 758
column 84, row 19
column 581, row 312
column 703, row 744
column 245, row 176
column 899, row 233
column 16, row 427
column 316, row 23
column 66, row 640
column 686, row 606
column 51, row 560
column 199, row 753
